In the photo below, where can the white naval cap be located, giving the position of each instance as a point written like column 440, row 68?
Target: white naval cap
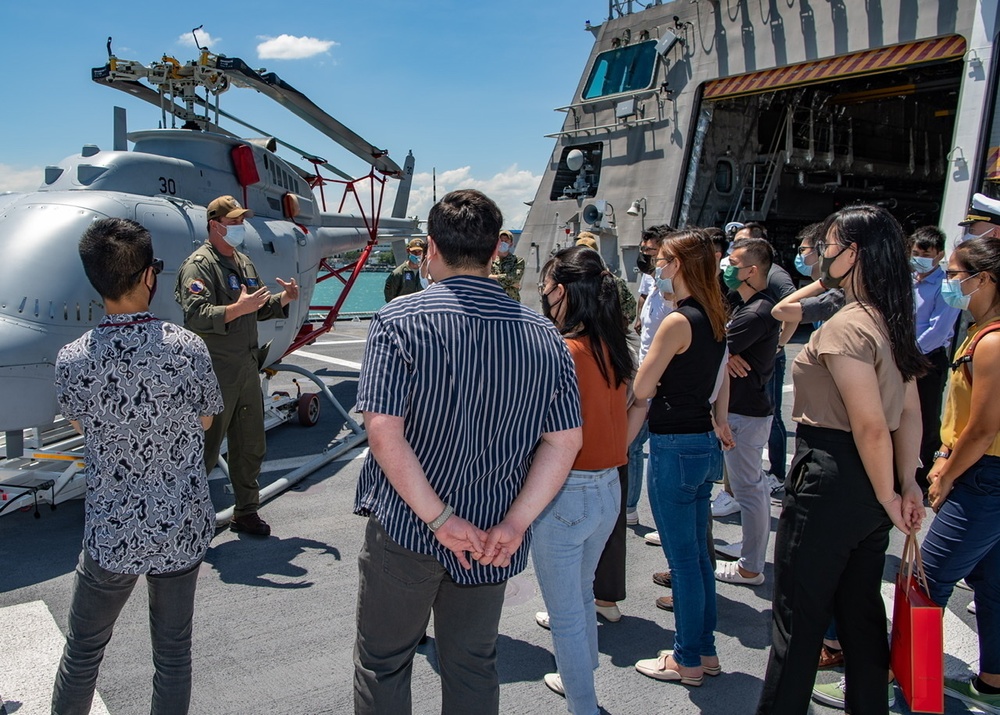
column 982, row 208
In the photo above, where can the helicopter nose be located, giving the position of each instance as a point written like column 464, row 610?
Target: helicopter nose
column 27, row 374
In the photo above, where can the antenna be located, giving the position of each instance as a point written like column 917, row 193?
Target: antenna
column 110, row 54
column 196, row 43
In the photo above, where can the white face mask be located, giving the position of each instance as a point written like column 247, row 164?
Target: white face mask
column 235, row 235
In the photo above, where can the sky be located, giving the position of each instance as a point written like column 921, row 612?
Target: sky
column 469, row 87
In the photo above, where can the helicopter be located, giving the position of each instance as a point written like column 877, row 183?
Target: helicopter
column 165, row 182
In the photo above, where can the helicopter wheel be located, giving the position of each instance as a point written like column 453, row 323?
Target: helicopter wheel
column 308, row 409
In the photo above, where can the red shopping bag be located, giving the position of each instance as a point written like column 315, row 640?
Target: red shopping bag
column 917, row 636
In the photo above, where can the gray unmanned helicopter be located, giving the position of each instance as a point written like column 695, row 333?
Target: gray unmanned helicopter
column 164, row 183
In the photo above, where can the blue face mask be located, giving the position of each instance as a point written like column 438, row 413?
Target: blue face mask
column 951, row 292
column 801, row 267
column 663, row 284
column 415, row 260
column 921, row 264
column 235, row 234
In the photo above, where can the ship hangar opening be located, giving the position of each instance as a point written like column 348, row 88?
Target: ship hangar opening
column 789, row 156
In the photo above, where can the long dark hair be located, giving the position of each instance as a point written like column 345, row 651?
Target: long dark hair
column 593, row 308
column 886, row 284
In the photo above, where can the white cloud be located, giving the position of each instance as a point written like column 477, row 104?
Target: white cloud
column 13, row 178
column 204, row 39
column 510, row 189
column 289, row 47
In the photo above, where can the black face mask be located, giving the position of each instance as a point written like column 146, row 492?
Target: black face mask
column 644, row 263
column 547, row 306
column 152, row 291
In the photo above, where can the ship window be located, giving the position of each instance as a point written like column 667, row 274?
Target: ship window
column 724, row 173
column 624, row 69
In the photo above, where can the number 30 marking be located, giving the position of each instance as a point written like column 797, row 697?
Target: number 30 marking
column 167, row 186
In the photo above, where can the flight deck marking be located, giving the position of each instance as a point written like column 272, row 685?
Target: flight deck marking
column 332, row 361
column 32, row 644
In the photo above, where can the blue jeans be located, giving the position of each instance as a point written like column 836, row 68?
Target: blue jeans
column 777, row 442
column 681, row 470
column 568, row 538
column 964, row 542
column 636, row 466
column 98, row 598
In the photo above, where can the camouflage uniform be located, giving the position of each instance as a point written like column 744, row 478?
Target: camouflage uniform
column 404, row 280
column 627, row 300
column 510, row 268
column 207, row 282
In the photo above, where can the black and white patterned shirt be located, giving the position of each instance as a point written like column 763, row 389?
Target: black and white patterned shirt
column 138, row 386
column 477, row 379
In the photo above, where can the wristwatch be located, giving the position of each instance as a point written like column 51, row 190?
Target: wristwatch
column 941, row 455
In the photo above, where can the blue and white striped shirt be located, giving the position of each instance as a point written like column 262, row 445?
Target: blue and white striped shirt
column 477, row 379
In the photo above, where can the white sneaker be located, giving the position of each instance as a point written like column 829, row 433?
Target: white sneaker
column 542, row 619
column 724, row 505
column 971, row 608
column 554, row 683
column 631, row 517
column 653, row 538
column 730, row 551
column 773, row 483
column 730, row 573
column 964, row 585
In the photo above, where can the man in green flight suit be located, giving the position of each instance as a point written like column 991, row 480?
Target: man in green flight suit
column 223, row 297
column 507, row 268
column 405, row 278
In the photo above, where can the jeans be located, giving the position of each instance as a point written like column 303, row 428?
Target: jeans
column 777, row 442
column 98, row 598
column 398, row 590
column 964, row 542
column 749, row 487
column 569, row 536
column 681, row 470
column 636, row 464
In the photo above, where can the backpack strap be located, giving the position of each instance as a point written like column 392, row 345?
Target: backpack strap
column 965, row 360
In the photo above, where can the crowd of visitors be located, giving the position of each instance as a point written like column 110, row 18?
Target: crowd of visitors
column 549, row 461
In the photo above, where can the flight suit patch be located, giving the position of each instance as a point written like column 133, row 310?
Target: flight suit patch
column 196, row 286
column 252, row 282
column 234, row 282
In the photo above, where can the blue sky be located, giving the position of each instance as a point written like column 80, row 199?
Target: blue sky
column 468, row 86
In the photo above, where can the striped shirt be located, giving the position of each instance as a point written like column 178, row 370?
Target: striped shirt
column 477, row 379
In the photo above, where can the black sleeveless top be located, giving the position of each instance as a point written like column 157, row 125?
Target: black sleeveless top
column 681, row 404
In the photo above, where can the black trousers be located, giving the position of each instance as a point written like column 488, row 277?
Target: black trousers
column 828, row 560
column 930, row 389
column 609, row 578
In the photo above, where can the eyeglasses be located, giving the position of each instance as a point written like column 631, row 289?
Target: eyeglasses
column 668, row 260
column 821, row 246
column 952, row 274
column 156, row 265
column 803, row 250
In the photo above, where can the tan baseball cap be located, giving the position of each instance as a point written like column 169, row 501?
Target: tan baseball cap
column 227, row 206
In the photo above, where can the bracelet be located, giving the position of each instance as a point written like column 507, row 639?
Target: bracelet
column 941, row 455
column 442, row 518
column 890, row 500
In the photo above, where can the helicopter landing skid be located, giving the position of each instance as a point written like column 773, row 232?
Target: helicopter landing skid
column 279, row 408
column 52, row 472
